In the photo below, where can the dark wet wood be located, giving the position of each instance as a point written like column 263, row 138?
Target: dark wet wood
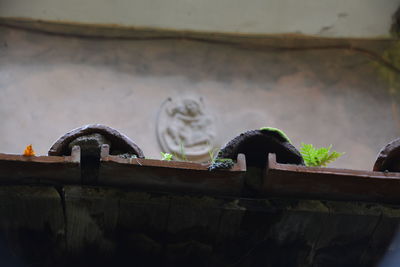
column 32, row 226
column 91, row 215
column 330, row 183
column 158, row 175
column 345, row 235
column 141, row 228
column 75, row 225
column 98, row 226
column 17, row 169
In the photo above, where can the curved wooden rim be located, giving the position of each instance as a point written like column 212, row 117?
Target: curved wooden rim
column 118, row 140
column 237, row 144
column 387, row 156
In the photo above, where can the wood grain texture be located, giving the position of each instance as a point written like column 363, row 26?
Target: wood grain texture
column 99, row 226
column 175, row 176
column 18, row 169
column 32, row 228
column 329, row 183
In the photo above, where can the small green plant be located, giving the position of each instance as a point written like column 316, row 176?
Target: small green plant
column 182, row 151
column 166, row 156
column 314, row 157
column 218, row 163
column 211, row 154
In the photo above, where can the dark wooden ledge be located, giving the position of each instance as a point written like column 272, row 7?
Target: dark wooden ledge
column 296, row 181
column 104, row 226
column 175, row 176
column 117, row 171
column 18, row 169
column 162, row 213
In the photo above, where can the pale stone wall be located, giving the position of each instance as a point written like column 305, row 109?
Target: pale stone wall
column 51, row 84
column 328, row 18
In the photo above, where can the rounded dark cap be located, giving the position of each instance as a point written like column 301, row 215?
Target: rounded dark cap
column 389, row 157
column 120, row 143
column 257, row 144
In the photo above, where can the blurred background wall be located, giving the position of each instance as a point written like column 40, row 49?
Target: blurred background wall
column 323, row 71
column 339, row 18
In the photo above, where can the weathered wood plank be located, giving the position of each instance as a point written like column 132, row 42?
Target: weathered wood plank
column 92, row 215
column 346, row 235
column 193, row 225
column 106, row 226
column 272, row 232
column 171, row 176
column 18, row 169
column 206, row 231
column 384, row 244
column 285, row 180
column 32, row 229
column 141, row 228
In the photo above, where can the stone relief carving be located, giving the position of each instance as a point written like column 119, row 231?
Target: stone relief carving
column 184, row 122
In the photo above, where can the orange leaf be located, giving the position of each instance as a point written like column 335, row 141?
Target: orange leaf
column 29, row 151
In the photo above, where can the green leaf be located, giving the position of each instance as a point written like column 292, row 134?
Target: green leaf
column 314, row 157
column 211, row 153
column 182, row 151
column 166, row 156
column 309, row 154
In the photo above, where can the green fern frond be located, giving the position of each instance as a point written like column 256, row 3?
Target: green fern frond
column 314, row 157
column 332, row 157
column 309, row 154
column 323, row 155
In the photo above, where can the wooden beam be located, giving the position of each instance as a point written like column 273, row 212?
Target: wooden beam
column 329, row 183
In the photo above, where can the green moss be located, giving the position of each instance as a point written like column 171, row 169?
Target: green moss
column 221, row 164
column 277, row 131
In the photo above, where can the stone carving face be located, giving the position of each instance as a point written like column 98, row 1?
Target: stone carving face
column 185, row 123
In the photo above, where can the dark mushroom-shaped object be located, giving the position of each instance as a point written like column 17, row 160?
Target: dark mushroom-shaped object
column 257, row 144
column 93, row 136
column 389, row 158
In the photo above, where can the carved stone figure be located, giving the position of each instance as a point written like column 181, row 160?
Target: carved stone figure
column 186, row 129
